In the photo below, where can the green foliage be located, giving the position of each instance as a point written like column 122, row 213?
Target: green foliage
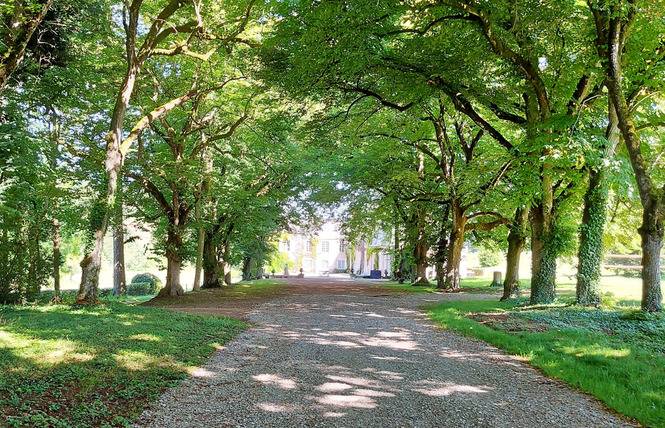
column 488, row 257
column 616, row 361
column 278, row 261
column 144, row 284
column 100, row 366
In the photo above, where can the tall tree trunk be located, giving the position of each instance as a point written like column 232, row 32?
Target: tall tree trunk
column 440, row 263
column 226, row 265
column 543, row 257
column 119, row 277
column 590, row 253
column 361, row 268
column 420, row 257
column 455, row 246
column 199, row 249
column 247, row 266
column 211, row 274
column 57, row 256
column 99, row 217
column 32, row 287
column 651, row 232
column 593, row 222
column 516, row 242
column 652, row 198
column 398, row 274
column 173, row 263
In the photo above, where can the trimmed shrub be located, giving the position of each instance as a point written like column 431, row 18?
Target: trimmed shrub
column 144, row 284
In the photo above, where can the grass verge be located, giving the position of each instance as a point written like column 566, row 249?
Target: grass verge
column 468, row 285
column 242, row 290
column 66, row 366
column 615, row 354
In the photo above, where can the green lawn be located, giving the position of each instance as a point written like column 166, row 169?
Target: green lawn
column 615, row 353
column 66, row 366
column 627, row 290
column 241, row 290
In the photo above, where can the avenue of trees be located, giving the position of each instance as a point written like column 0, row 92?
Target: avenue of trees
column 520, row 124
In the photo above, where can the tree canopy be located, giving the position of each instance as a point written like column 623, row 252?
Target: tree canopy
column 217, row 127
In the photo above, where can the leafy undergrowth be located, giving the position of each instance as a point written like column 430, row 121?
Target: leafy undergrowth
column 616, row 354
column 243, row 290
column 67, row 366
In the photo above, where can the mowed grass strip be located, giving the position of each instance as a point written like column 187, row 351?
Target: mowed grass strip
column 243, row 290
column 67, row 366
column 612, row 353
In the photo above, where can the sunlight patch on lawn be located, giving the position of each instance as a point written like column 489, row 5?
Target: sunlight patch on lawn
column 42, row 353
column 144, row 337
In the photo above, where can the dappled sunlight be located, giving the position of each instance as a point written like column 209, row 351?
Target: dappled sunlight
column 333, row 387
column 377, row 357
column 345, row 344
column 340, row 333
column 357, row 381
column 384, row 374
column 357, row 401
column 372, row 393
column 439, row 389
column 139, row 361
column 274, row 380
column 272, row 407
column 393, row 340
column 201, row 372
column 596, row 350
column 333, row 414
column 144, row 337
column 371, row 315
column 51, row 352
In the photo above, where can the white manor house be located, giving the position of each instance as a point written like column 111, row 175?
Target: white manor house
column 326, row 251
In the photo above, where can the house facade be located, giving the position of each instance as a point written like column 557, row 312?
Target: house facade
column 328, row 251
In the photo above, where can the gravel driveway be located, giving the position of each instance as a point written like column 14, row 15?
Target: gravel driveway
column 366, row 360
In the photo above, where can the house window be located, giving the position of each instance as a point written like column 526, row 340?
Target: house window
column 342, row 246
column 308, row 246
column 341, row 264
column 286, row 245
column 308, row 265
column 325, row 246
column 325, row 265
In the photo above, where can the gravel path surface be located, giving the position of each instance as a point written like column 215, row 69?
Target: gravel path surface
column 366, row 361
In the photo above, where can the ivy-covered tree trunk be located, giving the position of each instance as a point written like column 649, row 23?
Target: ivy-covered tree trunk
column 590, row 253
column 543, row 256
column 455, row 246
column 516, row 242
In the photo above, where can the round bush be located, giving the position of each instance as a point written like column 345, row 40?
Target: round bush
column 143, row 284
